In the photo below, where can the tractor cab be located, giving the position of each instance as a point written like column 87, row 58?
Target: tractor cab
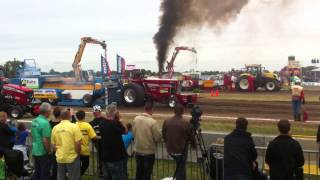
column 262, row 78
column 256, row 70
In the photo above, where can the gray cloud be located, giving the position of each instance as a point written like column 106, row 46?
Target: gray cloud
column 49, row 31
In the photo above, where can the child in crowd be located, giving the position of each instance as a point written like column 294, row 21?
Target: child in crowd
column 127, row 138
column 13, row 127
column 21, row 136
column 88, row 133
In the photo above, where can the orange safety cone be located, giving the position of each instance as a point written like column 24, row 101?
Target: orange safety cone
column 212, row 93
column 217, row 92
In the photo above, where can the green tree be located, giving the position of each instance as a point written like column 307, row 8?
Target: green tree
column 10, row 68
column 52, row 71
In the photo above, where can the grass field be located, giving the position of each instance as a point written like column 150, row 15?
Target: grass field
column 255, row 127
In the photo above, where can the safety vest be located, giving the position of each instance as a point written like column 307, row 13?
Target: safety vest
column 296, row 90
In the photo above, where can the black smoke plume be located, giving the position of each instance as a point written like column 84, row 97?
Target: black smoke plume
column 179, row 14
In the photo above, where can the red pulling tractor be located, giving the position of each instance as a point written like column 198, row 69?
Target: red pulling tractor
column 167, row 91
column 163, row 89
column 16, row 100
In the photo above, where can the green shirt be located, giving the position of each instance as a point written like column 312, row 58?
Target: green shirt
column 40, row 128
column 2, row 170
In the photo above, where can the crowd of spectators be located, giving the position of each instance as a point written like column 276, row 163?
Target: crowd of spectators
column 284, row 155
column 61, row 148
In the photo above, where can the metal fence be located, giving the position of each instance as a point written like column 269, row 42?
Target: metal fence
column 165, row 166
column 310, row 169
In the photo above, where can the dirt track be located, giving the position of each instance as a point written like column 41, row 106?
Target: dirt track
column 239, row 107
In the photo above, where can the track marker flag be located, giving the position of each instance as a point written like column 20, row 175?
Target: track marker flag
column 121, row 65
column 105, row 69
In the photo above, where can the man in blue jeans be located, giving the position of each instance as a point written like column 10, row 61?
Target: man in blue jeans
column 297, row 98
column 176, row 133
column 146, row 136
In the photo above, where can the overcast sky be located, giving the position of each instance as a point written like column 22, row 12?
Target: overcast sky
column 266, row 32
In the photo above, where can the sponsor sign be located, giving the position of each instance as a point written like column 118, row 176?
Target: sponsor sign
column 131, row 67
column 105, row 69
column 32, row 83
column 121, row 65
column 45, row 94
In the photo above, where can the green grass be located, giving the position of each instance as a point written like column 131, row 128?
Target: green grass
column 255, row 127
column 161, row 169
column 262, row 128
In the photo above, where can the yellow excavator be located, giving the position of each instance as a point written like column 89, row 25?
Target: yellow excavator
column 77, row 59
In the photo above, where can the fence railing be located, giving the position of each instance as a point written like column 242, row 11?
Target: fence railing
column 165, row 166
column 310, row 168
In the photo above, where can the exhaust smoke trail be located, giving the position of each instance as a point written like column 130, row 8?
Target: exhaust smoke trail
column 180, row 14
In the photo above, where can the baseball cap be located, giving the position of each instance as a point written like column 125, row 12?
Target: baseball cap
column 96, row 108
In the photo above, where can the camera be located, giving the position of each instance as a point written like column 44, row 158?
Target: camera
column 196, row 113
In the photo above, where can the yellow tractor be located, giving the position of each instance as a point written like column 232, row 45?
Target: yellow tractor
column 262, row 79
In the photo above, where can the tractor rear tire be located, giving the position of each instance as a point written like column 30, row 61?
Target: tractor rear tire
column 243, row 84
column 133, row 95
column 15, row 112
column 272, row 85
column 87, row 100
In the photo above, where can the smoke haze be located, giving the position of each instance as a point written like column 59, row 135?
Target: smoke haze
column 179, row 14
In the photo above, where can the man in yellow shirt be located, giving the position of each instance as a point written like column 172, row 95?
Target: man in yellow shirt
column 87, row 133
column 66, row 139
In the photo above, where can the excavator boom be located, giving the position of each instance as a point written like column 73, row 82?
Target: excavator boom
column 170, row 64
column 77, row 59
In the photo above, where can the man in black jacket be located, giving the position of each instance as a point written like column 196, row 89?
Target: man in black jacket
column 114, row 153
column 239, row 153
column 284, row 155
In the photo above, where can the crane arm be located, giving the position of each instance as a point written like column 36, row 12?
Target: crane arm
column 170, row 63
column 77, row 59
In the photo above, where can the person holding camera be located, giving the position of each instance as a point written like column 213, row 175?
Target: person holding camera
column 176, row 133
